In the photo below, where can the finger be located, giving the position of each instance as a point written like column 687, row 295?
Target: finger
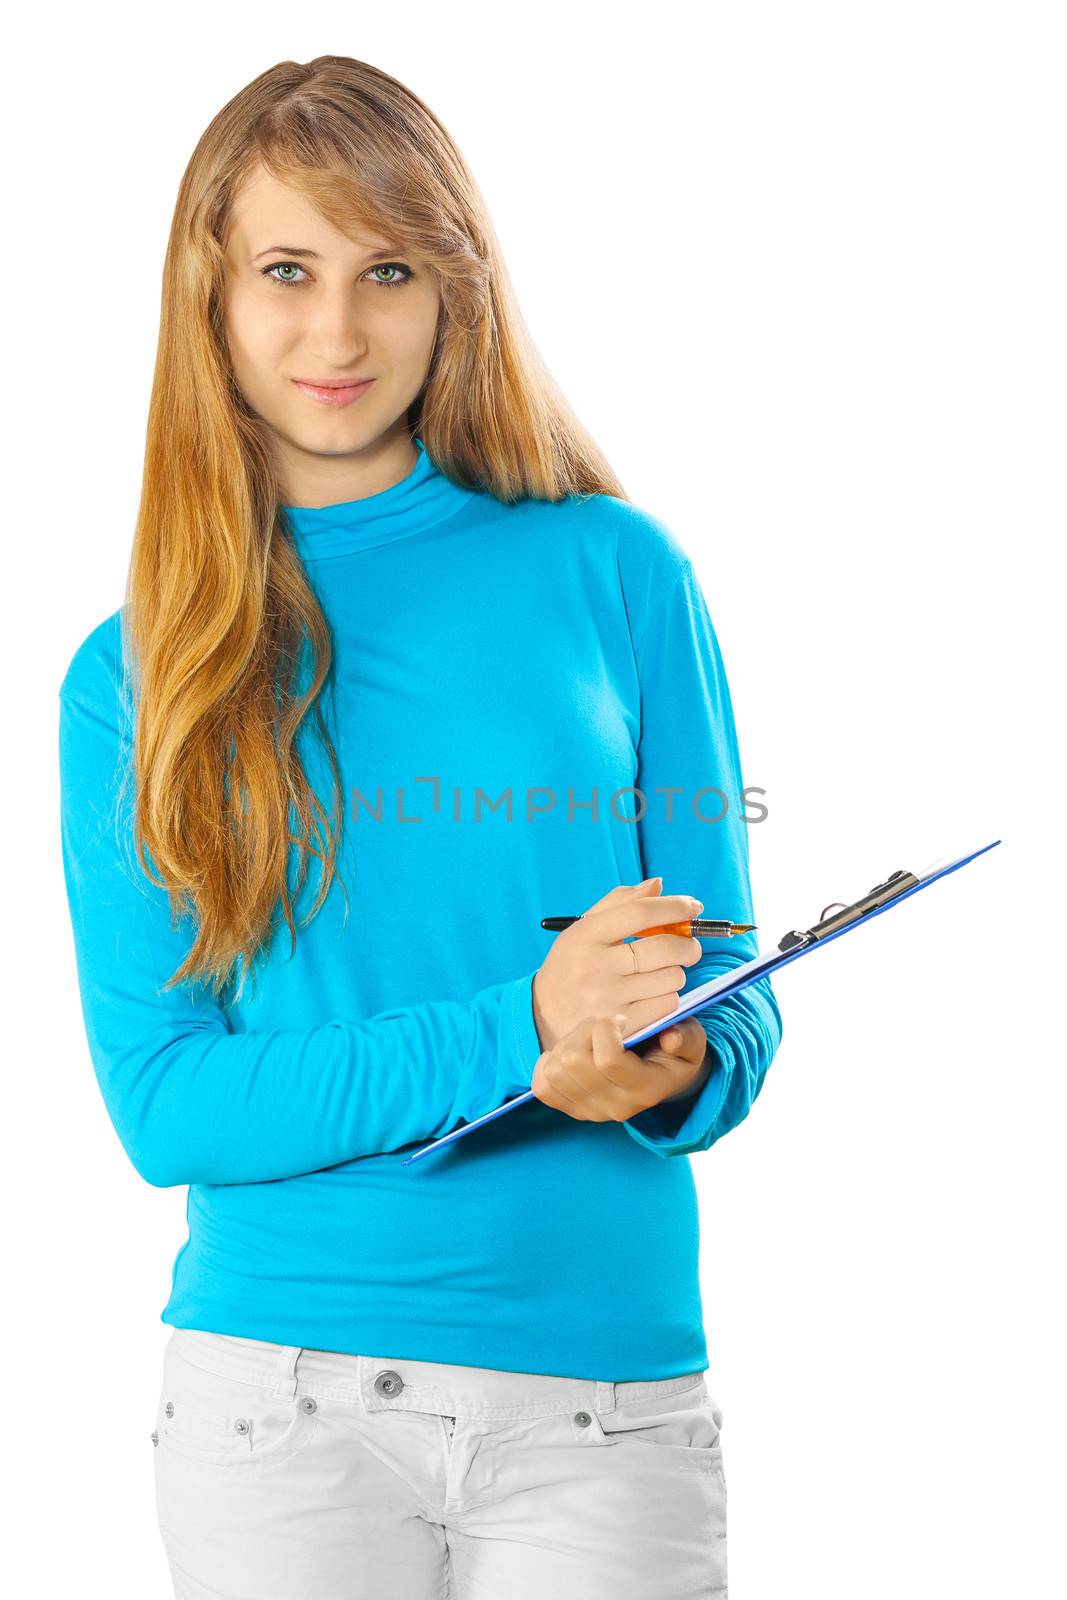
column 631, row 915
column 657, row 1008
column 623, row 1072
column 611, row 1059
column 569, row 1073
column 594, row 1070
column 663, row 953
column 614, row 1070
column 685, row 1041
column 574, row 1074
column 624, row 891
column 546, row 1088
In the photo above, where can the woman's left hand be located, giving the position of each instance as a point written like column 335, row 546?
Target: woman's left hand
column 591, row 1076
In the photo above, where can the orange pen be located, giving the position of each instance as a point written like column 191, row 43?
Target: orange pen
column 697, row 927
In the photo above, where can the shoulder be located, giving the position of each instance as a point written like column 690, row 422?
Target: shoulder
column 642, row 546
column 647, row 555
column 630, row 525
column 96, row 677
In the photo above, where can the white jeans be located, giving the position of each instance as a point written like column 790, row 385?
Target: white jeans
column 292, row 1474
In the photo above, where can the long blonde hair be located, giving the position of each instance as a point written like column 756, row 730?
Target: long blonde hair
column 220, row 619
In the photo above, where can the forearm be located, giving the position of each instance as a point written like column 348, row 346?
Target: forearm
column 204, row 1105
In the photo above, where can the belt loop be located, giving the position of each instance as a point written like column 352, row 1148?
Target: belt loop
column 288, row 1380
column 605, row 1396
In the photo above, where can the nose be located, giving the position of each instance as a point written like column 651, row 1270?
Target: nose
column 337, row 331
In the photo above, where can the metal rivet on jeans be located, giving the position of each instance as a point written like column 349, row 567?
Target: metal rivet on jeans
column 582, row 1418
column 242, row 1425
column 388, row 1383
column 169, row 1408
column 309, row 1405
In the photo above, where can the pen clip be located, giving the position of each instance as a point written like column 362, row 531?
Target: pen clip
column 843, row 915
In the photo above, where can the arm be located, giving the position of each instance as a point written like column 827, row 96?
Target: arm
column 193, row 1102
column 688, row 743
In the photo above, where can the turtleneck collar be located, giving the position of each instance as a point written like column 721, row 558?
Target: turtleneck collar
column 417, row 502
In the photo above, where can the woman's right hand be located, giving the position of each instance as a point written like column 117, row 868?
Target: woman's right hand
column 589, row 972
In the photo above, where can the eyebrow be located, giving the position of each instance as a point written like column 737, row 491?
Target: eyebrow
column 313, row 255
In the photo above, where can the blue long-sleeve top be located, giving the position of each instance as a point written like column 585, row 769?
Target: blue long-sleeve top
column 529, row 707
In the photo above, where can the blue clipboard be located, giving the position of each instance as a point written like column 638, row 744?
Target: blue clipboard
column 836, row 920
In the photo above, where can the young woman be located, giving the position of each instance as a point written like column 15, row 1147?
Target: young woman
column 389, row 611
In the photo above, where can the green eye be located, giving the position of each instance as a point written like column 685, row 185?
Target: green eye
column 282, row 266
column 383, row 283
column 391, row 266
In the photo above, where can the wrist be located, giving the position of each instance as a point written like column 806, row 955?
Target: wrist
column 543, row 1034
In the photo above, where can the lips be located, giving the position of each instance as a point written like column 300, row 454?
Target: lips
column 334, row 392
column 332, row 383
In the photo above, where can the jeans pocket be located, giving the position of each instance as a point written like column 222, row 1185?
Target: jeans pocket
column 209, row 1419
column 683, row 1429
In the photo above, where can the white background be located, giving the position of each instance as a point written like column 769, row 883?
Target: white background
column 800, row 270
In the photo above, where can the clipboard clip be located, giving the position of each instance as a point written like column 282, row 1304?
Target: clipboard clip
column 842, row 915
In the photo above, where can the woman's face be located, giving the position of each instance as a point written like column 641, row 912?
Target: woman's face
column 303, row 301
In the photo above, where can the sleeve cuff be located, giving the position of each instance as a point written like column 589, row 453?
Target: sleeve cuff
column 684, row 1126
column 520, row 1041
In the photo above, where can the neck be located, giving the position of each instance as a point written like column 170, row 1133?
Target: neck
column 411, row 504
column 313, row 481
